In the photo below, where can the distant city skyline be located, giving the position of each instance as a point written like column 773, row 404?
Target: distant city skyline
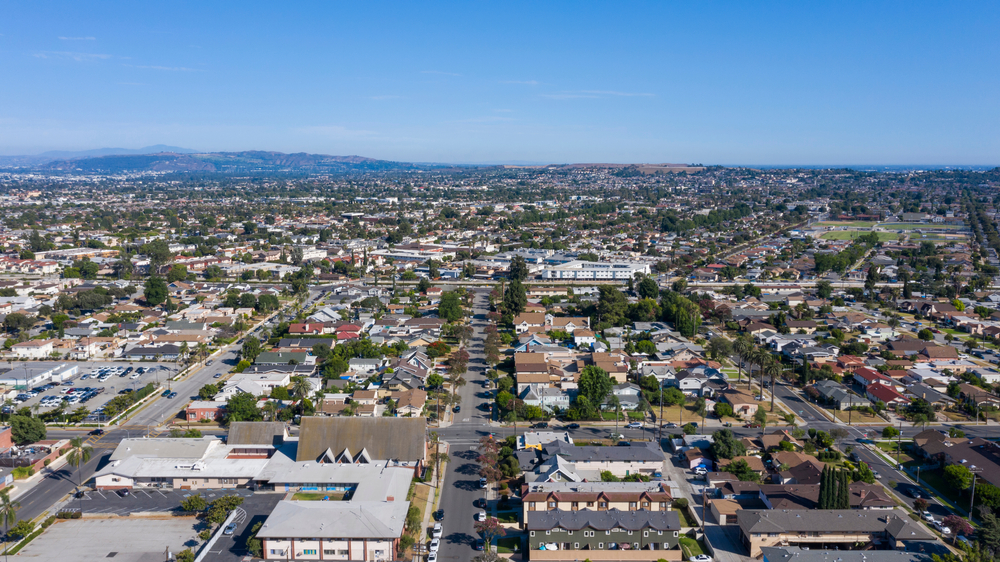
column 859, row 84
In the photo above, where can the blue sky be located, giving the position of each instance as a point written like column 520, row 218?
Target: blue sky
column 696, row 82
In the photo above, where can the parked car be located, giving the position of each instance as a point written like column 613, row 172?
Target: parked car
column 437, row 532
column 481, row 516
column 432, row 557
column 123, row 492
column 230, row 529
column 435, row 545
column 479, row 544
column 439, row 515
column 700, row 558
column 573, row 426
column 633, row 425
column 97, row 432
column 456, row 409
column 482, row 483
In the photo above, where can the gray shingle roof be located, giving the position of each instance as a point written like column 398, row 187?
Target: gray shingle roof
column 637, row 452
column 384, row 438
column 603, row 520
column 256, row 433
column 894, row 522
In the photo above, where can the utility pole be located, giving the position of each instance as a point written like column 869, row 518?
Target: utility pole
column 899, row 440
column 972, row 500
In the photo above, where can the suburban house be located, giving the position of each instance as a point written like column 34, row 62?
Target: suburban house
column 742, row 401
column 595, row 496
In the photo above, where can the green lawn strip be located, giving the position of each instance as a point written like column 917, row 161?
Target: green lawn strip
column 934, row 480
column 685, row 520
column 508, row 516
column 507, row 545
column 690, row 547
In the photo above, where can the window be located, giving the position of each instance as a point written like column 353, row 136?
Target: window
column 328, row 552
column 663, row 505
column 531, row 505
column 552, row 505
column 630, row 533
column 576, row 505
column 590, row 504
column 600, row 545
column 660, row 533
column 635, row 546
column 604, row 505
column 631, row 505
column 570, row 533
column 548, row 533
column 666, row 546
column 309, row 551
column 532, row 533
column 576, row 546
column 675, row 533
column 645, row 504
column 645, row 533
column 607, row 532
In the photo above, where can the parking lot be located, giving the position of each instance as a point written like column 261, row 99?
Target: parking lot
column 139, row 500
column 124, row 540
column 95, row 383
column 255, row 508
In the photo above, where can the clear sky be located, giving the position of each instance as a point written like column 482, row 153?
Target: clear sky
column 741, row 82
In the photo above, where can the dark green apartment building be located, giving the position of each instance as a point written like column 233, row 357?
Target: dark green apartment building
column 601, row 530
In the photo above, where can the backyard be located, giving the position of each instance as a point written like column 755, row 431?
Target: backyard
column 691, row 547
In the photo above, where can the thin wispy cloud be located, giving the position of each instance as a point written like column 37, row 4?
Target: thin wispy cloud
column 524, row 82
column 620, row 94
column 486, row 119
column 439, row 72
column 67, row 55
column 78, row 38
column 595, row 94
column 166, row 68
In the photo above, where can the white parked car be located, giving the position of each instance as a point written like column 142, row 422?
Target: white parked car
column 700, row 558
column 481, row 516
column 437, row 532
column 432, row 557
column 435, row 545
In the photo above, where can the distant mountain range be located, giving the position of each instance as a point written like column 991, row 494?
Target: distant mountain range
column 172, row 159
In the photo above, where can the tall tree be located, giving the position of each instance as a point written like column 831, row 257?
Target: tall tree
column 8, row 513
column 79, row 454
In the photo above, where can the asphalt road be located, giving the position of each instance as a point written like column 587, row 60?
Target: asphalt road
column 461, row 479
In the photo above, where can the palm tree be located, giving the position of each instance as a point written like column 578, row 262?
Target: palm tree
column 773, row 368
column 268, row 409
column 741, row 346
column 301, row 388
column 8, row 514
column 79, row 454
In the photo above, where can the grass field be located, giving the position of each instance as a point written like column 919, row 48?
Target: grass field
column 856, row 417
column 852, row 234
column 690, row 547
column 507, row 545
column 859, row 224
column 890, row 449
column 914, row 226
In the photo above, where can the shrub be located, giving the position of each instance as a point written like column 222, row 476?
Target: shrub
column 205, row 535
column 69, row 515
column 503, row 485
column 22, row 529
column 681, row 503
column 47, row 462
column 48, row 522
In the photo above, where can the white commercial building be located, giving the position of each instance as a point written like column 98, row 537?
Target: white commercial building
column 595, row 271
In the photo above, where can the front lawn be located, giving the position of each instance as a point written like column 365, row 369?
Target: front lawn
column 691, row 547
column 685, row 520
column 507, row 545
column 508, row 516
column 890, row 448
column 856, row 416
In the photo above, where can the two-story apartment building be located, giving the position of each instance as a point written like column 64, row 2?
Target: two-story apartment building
column 595, row 496
column 796, row 527
column 603, row 535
